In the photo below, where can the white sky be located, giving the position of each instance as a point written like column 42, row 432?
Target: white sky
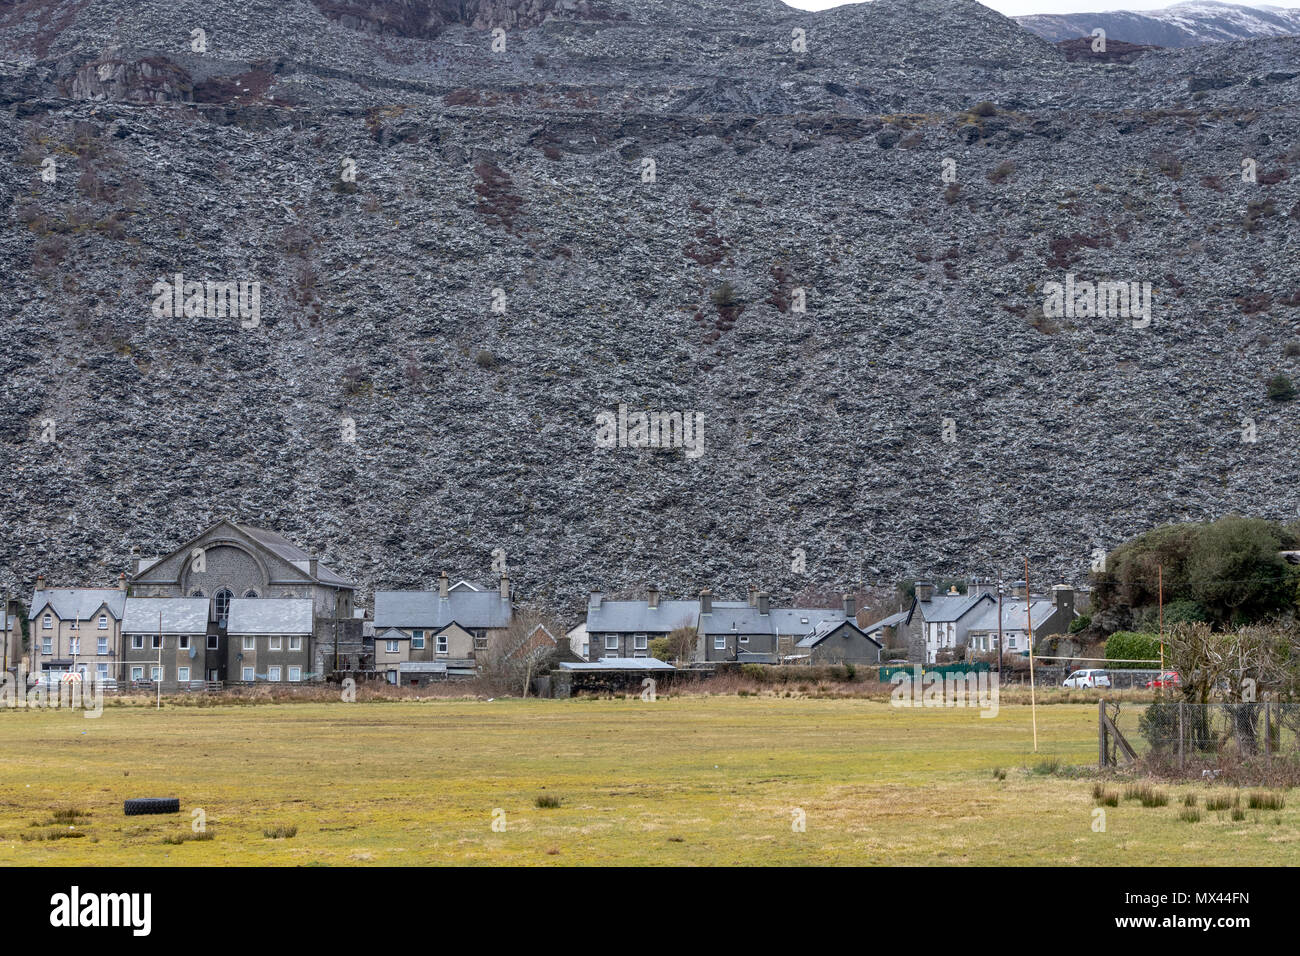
column 1016, row 8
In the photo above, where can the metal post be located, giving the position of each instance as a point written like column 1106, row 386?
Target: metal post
column 999, row 632
column 1101, row 735
column 1268, row 747
column 1181, row 706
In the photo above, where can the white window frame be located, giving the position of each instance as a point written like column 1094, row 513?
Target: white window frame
column 295, row 673
column 137, row 642
column 47, row 622
column 744, row 638
column 441, row 645
column 248, row 674
column 101, row 671
column 390, row 647
column 184, row 640
column 213, row 640
column 47, row 645
column 719, row 642
column 295, row 643
column 74, row 646
column 276, row 643
column 137, row 672
column 273, row 673
column 103, row 622
column 183, row 675
column 156, row 642
column 640, row 642
column 417, row 640
column 155, row 673
column 101, row 646
column 250, row 643
column 611, row 642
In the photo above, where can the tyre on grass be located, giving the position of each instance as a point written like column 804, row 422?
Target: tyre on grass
column 142, row 805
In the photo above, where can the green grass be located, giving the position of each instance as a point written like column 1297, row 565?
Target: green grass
column 683, row 780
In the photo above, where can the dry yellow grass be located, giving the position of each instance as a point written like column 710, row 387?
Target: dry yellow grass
column 682, row 780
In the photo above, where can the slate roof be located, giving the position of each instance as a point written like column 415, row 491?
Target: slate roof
column 79, row 604
column 179, row 615
column 638, row 617
column 891, row 621
column 1013, row 616
column 426, row 609
column 827, row 628
column 270, row 616
column 286, row 549
column 618, row 664
column 803, row 620
column 950, row 607
column 736, row 619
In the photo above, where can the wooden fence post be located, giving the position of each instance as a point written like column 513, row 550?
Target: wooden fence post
column 1268, row 734
column 1181, row 706
column 1101, row 734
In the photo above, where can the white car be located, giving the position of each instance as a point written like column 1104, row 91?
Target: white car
column 1087, row 678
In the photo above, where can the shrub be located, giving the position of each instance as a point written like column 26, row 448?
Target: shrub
column 1221, row 801
column 1080, row 623
column 1238, row 814
column 984, row 108
column 1048, row 766
column 281, row 832
column 1263, row 800
column 1190, row 815
column 1000, row 172
column 1170, row 165
column 1291, row 349
column 1189, row 800
column 547, row 801
column 1132, row 646
column 999, row 773
column 1280, row 388
column 485, row 359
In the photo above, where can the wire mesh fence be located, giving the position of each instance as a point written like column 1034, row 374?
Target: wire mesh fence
column 1185, row 734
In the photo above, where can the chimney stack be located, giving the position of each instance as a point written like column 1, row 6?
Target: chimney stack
column 753, row 596
column 652, row 597
column 924, row 590
column 121, row 581
column 763, row 602
column 40, row 582
column 850, row 607
column 1018, row 591
column 596, row 598
column 505, row 586
column 1063, row 599
column 443, row 585
column 312, row 565
column 706, row 601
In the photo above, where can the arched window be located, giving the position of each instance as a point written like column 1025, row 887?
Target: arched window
column 250, row 594
column 222, row 600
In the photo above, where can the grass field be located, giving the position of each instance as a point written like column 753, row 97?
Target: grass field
column 684, row 780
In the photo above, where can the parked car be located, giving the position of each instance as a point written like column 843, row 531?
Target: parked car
column 1167, row 679
column 1087, row 678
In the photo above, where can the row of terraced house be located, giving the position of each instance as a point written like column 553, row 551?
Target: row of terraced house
column 240, row 604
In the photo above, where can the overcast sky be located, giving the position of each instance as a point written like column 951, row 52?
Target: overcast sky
column 1015, row 8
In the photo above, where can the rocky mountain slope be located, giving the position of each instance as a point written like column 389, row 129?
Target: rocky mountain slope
column 381, row 171
column 1181, row 25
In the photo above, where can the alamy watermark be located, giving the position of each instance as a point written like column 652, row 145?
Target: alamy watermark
column 1113, row 300
column 208, row 300
column 622, row 429
column 955, row 689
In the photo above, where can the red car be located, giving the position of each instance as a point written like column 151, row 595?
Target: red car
column 1167, row 679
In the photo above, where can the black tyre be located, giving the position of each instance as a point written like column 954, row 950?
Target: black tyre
column 143, row 805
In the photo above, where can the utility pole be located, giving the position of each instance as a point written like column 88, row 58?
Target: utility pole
column 999, row 632
column 158, row 686
column 4, row 612
column 1160, row 570
column 1029, row 624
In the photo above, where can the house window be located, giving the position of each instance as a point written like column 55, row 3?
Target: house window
column 74, row 646
column 442, row 643
column 137, row 642
column 640, row 642
column 184, row 642
column 250, row 643
column 47, row 622
column 183, row 675
column 103, row 622
column 1011, row 643
column 611, row 642
column 101, row 672
column 155, row 673
column 417, row 640
column 295, row 674
column 295, row 643
column 101, row 646
column 137, row 673
column 744, row 639
column 480, row 643
column 250, row 594
column 212, row 642
column 720, row 642
column 273, row 673
column 275, row 643
column 223, row 605
column 248, row 674
column 156, row 642
column 390, row 647
column 46, row 646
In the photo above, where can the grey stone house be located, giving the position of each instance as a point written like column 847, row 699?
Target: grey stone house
column 76, row 629
column 270, row 640
column 1050, row 616
column 839, row 643
column 231, row 561
column 938, row 623
column 167, row 640
column 626, row 628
